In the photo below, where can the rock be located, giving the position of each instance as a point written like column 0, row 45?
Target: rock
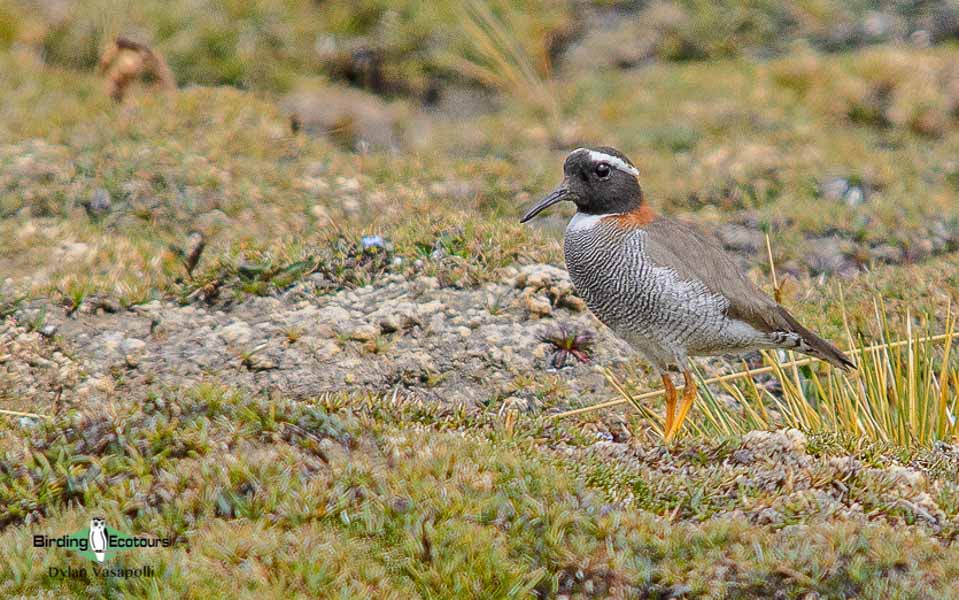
column 764, row 446
column 538, row 305
column 370, row 242
column 514, row 403
column 333, row 315
column 840, row 189
column 887, row 253
column 920, row 38
column 919, row 249
column 574, row 303
column 99, row 303
column 131, row 345
column 322, row 349
column 740, row 238
column 540, row 276
column 48, row 330
column 424, row 283
column 845, row 465
column 364, row 333
column 131, row 349
column 401, row 315
column 259, row 361
column 827, row 255
column 111, row 340
column 904, row 480
column 389, row 324
column 428, row 309
column 98, row 205
column 236, row 334
column 769, row 516
column 617, row 42
column 72, row 251
column 416, row 367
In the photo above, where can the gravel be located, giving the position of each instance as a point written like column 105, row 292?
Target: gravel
column 477, row 346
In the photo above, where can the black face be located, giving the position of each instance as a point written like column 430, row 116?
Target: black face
column 599, row 180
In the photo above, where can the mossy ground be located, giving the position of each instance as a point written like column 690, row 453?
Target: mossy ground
column 379, row 499
column 371, row 497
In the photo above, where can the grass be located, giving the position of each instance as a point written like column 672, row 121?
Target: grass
column 902, row 391
column 896, row 395
column 301, row 497
column 762, row 162
column 501, row 58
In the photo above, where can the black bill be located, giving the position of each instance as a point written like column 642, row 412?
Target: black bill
column 559, row 194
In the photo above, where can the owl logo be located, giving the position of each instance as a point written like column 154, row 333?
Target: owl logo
column 98, row 538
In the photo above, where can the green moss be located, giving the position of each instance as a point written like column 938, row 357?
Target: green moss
column 295, row 497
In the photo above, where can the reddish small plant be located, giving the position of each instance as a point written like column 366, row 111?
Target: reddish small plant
column 568, row 341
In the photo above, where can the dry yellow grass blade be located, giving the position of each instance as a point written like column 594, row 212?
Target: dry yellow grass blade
column 16, row 413
column 749, row 373
column 502, row 60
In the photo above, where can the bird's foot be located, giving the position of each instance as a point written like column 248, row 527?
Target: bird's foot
column 670, row 407
column 689, row 394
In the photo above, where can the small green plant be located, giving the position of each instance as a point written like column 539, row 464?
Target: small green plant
column 39, row 320
column 76, row 293
column 8, row 306
column 293, row 334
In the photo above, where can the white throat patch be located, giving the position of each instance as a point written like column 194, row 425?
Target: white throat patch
column 613, row 161
column 581, row 221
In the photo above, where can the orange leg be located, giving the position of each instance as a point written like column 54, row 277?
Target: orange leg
column 670, row 406
column 689, row 394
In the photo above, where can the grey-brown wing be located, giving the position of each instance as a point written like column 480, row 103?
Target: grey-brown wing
column 695, row 256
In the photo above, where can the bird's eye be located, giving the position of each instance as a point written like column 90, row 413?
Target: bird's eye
column 602, row 170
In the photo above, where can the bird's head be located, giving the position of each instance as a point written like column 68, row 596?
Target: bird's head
column 600, row 181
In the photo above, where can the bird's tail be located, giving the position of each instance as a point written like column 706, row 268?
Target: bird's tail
column 100, row 556
column 813, row 345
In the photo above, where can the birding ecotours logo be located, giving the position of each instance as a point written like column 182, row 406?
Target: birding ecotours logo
column 99, row 542
column 98, row 538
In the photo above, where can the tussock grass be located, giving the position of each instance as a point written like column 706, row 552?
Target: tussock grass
column 904, row 391
column 499, row 57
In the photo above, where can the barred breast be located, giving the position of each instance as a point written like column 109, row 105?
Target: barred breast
column 661, row 315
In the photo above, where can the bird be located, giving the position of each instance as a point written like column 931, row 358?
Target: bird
column 98, row 538
column 663, row 285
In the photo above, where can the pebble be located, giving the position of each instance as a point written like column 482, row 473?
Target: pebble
column 237, row 333
column 131, row 345
column 433, row 330
column 389, row 324
column 539, row 305
column 364, row 333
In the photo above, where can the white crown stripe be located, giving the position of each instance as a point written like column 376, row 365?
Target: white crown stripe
column 613, row 161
